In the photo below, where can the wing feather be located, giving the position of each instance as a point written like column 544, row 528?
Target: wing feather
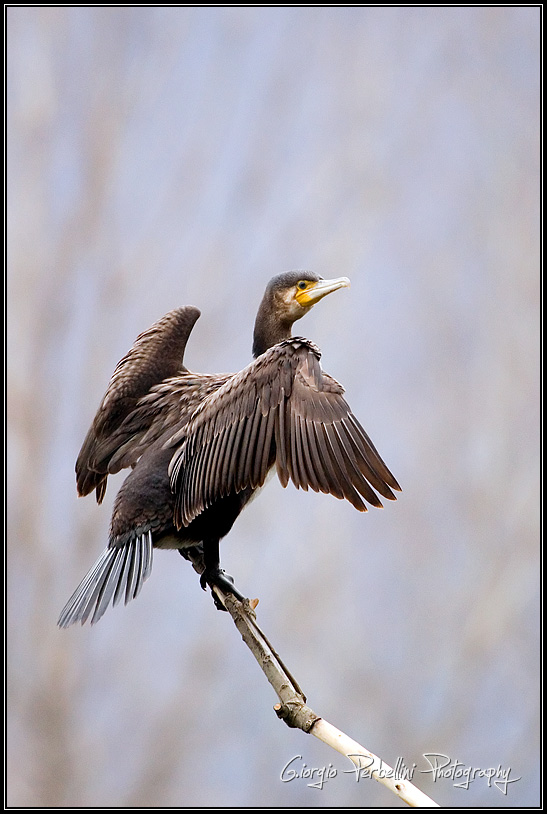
column 156, row 355
column 281, row 410
column 311, row 475
column 233, row 475
column 251, row 445
column 281, row 444
column 316, row 461
column 355, row 476
column 331, row 475
column 349, row 492
column 295, row 473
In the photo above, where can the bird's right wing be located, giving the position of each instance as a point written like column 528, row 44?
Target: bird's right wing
column 157, row 354
column 283, row 410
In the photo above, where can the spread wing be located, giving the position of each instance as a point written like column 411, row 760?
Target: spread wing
column 283, row 410
column 156, row 355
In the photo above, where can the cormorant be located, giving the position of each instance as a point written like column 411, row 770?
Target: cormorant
column 200, row 445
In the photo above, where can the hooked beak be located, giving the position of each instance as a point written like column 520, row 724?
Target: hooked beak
column 320, row 289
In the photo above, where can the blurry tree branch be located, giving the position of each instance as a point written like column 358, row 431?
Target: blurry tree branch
column 292, row 707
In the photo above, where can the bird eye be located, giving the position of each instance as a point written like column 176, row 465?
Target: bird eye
column 302, row 285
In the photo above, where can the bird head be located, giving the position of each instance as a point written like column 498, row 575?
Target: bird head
column 289, row 297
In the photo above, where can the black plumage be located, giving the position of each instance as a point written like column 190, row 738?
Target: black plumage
column 201, row 445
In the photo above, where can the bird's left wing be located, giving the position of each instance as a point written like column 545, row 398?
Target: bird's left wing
column 156, row 355
column 283, row 410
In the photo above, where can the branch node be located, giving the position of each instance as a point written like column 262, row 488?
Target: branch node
column 296, row 714
column 292, row 707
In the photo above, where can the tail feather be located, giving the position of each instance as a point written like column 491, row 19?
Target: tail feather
column 119, row 570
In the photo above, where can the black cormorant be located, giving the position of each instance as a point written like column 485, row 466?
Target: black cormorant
column 200, row 445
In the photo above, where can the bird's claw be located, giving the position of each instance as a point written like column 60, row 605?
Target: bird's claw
column 221, row 580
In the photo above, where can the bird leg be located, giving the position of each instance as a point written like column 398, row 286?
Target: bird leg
column 192, row 553
column 215, row 575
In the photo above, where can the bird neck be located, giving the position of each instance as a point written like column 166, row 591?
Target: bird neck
column 270, row 329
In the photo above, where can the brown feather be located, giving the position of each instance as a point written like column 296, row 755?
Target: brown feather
column 280, row 410
column 199, row 445
column 157, row 354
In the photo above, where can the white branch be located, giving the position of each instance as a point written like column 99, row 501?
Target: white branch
column 292, row 707
column 371, row 766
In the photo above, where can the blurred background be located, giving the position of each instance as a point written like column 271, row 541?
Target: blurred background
column 161, row 156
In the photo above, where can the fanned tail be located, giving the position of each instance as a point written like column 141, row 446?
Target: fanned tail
column 119, row 570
